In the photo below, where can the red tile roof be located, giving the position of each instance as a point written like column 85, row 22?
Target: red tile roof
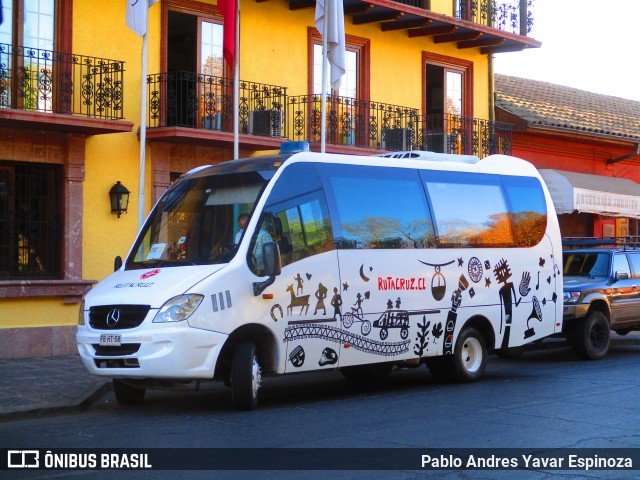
column 542, row 104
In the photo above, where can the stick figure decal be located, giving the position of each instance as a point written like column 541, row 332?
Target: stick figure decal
column 321, row 294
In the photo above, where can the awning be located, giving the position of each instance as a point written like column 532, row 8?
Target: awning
column 614, row 197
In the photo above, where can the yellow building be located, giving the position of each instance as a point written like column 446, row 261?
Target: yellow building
column 418, row 76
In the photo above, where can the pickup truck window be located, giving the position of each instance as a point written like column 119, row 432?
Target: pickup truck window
column 585, row 264
column 621, row 264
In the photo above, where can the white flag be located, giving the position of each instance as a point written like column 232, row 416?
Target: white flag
column 329, row 21
column 137, row 14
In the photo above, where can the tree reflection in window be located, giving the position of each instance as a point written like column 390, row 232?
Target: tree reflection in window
column 378, row 207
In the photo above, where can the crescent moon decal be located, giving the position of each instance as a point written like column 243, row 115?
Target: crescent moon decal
column 362, row 275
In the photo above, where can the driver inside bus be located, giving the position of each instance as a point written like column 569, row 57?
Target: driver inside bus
column 263, row 236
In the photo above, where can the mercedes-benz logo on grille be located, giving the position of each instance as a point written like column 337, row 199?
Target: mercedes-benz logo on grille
column 113, row 317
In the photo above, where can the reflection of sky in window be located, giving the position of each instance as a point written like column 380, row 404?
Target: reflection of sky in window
column 525, row 194
column 403, row 199
column 38, row 24
column 474, row 207
column 5, row 26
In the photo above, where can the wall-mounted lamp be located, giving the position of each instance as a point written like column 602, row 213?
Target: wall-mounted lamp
column 119, row 196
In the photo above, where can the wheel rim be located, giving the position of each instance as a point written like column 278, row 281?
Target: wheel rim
column 472, row 355
column 256, row 377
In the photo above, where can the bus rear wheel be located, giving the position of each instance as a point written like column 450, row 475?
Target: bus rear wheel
column 246, row 377
column 469, row 359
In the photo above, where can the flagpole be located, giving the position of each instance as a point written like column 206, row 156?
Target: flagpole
column 323, row 104
column 236, row 86
column 143, row 130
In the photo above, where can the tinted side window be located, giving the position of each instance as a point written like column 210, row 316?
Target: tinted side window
column 300, row 226
column 528, row 209
column 635, row 264
column 296, row 180
column 377, row 207
column 621, row 264
column 469, row 209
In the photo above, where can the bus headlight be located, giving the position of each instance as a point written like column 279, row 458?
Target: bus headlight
column 570, row 297
column 178, row 308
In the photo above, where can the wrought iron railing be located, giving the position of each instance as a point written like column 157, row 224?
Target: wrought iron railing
column 463, row 135
column 47, row 81
column 515, row 16
column 352, row 122
column 187, row 99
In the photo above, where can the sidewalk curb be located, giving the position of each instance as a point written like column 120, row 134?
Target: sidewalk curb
column 89, row 397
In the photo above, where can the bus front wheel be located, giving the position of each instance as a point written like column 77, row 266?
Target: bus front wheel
column 246, row 377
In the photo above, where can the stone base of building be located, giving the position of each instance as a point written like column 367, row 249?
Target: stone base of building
column 38, row 342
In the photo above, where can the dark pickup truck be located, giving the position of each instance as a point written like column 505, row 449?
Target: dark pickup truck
column 601, row 292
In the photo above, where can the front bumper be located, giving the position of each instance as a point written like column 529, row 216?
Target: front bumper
column 573, row 312
column 168, row 351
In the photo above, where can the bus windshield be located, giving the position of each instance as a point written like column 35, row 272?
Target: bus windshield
column 196, row 221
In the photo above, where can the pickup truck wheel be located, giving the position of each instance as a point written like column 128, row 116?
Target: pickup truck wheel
column 591, row 337
column 126, row 394
column 246, row 377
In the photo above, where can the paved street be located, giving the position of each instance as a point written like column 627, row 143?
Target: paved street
column 546, row 399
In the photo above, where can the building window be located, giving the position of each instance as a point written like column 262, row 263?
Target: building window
column 448, row 104
column 447, row 86
column 355, row 82
column 34, row 22
column 30, row 221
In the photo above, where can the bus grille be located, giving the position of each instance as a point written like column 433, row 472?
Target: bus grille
column 117, row 317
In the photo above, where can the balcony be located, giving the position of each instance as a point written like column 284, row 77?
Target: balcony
column 353, row 122
column 372, row 127
column 191, row 107
column 61, row 91
column 464, row 135
column 491, row 25
column 186, row 107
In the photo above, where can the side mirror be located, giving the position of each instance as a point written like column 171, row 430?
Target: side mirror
column 272, row 266
column 621, row 275
column 117, row 263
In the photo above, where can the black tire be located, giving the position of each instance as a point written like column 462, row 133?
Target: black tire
column 127, row 394
column 469, row 359
column 591, row 336
column 246, row 377
column 377, row 372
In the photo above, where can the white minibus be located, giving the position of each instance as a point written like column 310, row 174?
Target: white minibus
column 306, row 261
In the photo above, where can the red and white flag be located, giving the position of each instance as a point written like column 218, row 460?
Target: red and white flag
column 329, row 21
column 137, row 15
column 229, row 10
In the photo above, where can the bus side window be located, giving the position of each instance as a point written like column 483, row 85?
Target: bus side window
column 469, row 209
column 528, row 209
column 374, row 207
column 305, row 228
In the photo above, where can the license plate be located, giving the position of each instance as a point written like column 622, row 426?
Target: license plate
column 110, row 340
